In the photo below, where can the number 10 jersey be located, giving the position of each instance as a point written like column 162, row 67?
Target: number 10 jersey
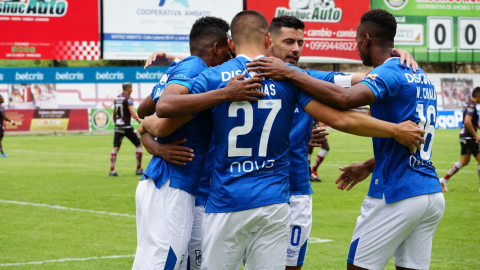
column 252, row 141
column 402, row 95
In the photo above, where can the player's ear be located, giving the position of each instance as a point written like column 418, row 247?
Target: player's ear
column 270, row 43
column 368, row 39
column 215, row 48
column 231, row 45
column 267, row 41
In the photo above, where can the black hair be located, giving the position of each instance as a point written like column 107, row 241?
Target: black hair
column 476, row 92
column 285, row 21
column 248, row 26
column 211, row 29
column 380, row 24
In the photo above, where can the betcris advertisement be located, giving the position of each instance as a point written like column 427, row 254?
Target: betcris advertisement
column 135, row 29
column 72, row 88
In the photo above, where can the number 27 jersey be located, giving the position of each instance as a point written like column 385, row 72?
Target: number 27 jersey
column 402, row 95
column 252, row 141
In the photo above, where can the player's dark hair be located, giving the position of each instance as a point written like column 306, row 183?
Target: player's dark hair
column 285, row 21
column 380, row 24
column 249, row 26
column 208, row 30
column 476, row 92
column 126, row 85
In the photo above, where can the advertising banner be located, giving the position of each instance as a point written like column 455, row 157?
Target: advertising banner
column 436, row 30
column 102, row 119
column 67, row 88
column 50, row 29
column 135, row 29
column 47, row 120
column 330, row 26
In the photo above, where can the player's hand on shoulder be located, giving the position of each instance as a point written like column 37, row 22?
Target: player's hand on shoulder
column 238, row 89
column 409, row 134
column 318, row 137
column 271, row 67
column 405, row 56
column 175, row 153
column 352, row 175
column 158, row 59
column 141, row 128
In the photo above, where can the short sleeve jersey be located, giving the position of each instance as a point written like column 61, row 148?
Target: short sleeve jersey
column 402, row 95
column 198, row 133
column 160, row 86
column 252, row 141
column 299, row 137
column 122, row 113
column 469, row 108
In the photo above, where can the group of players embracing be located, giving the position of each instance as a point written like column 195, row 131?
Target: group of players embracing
column 229, row 182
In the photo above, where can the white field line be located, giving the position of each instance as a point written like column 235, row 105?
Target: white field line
column 68, row 208
column 69, row 260
column 59, row 153
column 313, row 240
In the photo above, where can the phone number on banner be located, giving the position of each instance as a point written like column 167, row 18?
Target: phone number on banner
column 332, row 45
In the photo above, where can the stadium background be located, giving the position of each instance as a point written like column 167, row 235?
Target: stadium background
column 62, row 64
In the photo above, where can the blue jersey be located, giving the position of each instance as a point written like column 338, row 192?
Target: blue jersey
column 299, row 138
column 198, row 133
column 252, row 141
column 160, row 86
column 402, row 95
column 204, row 188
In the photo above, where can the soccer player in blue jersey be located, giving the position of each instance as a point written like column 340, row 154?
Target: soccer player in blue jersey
column 405, row 202
column 165, row 196
column 247, row 211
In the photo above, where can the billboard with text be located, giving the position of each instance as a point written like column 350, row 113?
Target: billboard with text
column 330, row 26
column 135, row 29
column 50, row 29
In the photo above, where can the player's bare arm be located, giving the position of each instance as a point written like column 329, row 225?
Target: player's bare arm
column 171, row 151
column 134, row 114
column 146, row 107
column 7, row 119
column 162, row 127
column 177, row 102
column 161, row 59
column 354, row 174
column 406, row 133
column 325, row 92
column 114, row 114
column 470, row 128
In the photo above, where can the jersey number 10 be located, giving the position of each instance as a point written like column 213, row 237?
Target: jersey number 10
column 429, row 127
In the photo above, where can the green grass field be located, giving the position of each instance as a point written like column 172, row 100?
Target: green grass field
column 71, row 171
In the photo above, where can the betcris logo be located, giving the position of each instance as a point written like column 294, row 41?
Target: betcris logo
column 149, row 75
column 109, row 75
column 68, row 76
column 28, row 76
column 182, row 2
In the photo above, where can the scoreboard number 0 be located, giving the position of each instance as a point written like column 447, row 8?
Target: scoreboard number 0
column 468, row 30
column 440, row 33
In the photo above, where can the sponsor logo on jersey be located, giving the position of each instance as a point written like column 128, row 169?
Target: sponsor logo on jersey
column 198, row 257
column 312, row 11
column 372, row 76
column 35, row 8
column 399, row 4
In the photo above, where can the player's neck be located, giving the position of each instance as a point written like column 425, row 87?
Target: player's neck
column 380, row 55
column 251, row 51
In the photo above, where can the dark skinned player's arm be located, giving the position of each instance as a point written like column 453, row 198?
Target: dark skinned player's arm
column 146, row 107
column 162, row 127
column 176, row 101
column 406, row 133
column 114, row 115
column 325, row 92
column 6, row 118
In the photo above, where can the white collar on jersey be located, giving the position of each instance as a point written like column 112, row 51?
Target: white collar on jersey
column 248, row 58
column 396, row 57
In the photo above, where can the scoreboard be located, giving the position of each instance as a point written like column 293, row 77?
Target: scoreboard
column 436, row 30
